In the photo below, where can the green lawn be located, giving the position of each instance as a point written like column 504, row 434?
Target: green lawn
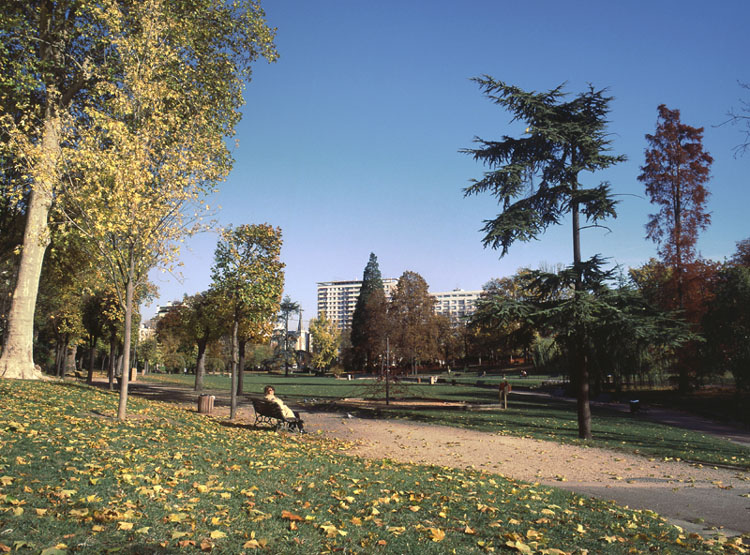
column 75, row 480
column 329, row 388
column 531, row 416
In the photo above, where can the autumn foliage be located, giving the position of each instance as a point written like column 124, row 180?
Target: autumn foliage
column 675, row 175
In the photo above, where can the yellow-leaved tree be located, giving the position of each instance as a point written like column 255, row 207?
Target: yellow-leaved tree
column 137, row 98
column 153, row 149
column 249, row 275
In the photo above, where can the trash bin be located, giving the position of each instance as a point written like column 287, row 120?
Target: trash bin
column 634, row 406
column 206, row 404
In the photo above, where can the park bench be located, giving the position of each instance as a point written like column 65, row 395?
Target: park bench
column 268, row 412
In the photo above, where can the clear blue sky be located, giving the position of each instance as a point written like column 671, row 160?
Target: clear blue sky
column 350, row 141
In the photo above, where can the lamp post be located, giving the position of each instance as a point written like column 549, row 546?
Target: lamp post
column 387, row 371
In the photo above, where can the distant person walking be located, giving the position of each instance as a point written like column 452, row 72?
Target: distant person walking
column 503, row 390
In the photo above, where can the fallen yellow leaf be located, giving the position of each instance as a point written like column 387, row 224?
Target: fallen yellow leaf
column 437, row 534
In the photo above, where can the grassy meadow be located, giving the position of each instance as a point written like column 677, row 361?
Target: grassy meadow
column 73, row 479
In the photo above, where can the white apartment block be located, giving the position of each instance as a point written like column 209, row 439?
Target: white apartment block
column 338, row 299
column 457, row 303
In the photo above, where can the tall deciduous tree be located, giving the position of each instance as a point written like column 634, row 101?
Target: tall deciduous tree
column 412, row 326
column 675, row 175
column 249, row 275
column 115, row 73
column 156, row 147
column 368, row 331
column 51, row 53
column 536, row 179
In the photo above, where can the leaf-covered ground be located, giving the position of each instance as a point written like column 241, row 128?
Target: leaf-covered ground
column 75, row 480
column 538, row 417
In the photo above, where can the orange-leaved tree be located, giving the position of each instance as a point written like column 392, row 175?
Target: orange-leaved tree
column 675, row 174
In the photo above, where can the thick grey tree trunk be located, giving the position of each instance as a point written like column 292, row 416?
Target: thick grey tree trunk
column 17, row 360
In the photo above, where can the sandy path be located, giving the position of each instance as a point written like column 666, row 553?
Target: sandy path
column 678, row 491
column 685, row 494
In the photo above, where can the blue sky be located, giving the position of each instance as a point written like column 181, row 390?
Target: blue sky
column 350, row 141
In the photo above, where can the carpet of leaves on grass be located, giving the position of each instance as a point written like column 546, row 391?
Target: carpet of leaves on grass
column 74, row 479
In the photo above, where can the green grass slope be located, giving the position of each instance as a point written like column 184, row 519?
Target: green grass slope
column 75, row 480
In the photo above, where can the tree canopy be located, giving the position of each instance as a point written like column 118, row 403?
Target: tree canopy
column 535, row 179
column 249, row 275
column 137, row 82
column 675, row 175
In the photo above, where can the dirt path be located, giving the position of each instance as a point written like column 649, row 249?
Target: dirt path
column 697, row 498
column 683, row 493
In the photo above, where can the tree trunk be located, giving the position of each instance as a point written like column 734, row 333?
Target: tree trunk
column 112, row 358
column 58, row 356
column 580, row 358
column 129, row 287
column 200, row 366
column 584, row 407
column 17, row 360
column 235, row 356
column 241, row 365
column 92, row 357
column 286, row 347
column 69, row 366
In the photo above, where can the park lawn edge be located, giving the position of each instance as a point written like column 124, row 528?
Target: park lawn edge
column 543, row 418
column 73, row 479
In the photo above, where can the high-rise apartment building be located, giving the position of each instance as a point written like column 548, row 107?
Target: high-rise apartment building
column 338, row 299
column 457, row 303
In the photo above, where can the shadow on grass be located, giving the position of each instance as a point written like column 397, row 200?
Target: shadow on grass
column 241, row 426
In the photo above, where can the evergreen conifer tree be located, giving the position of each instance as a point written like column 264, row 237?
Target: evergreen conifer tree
column 536, row 180
column 369, row 319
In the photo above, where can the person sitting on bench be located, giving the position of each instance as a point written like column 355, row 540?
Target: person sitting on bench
column 288, row 413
